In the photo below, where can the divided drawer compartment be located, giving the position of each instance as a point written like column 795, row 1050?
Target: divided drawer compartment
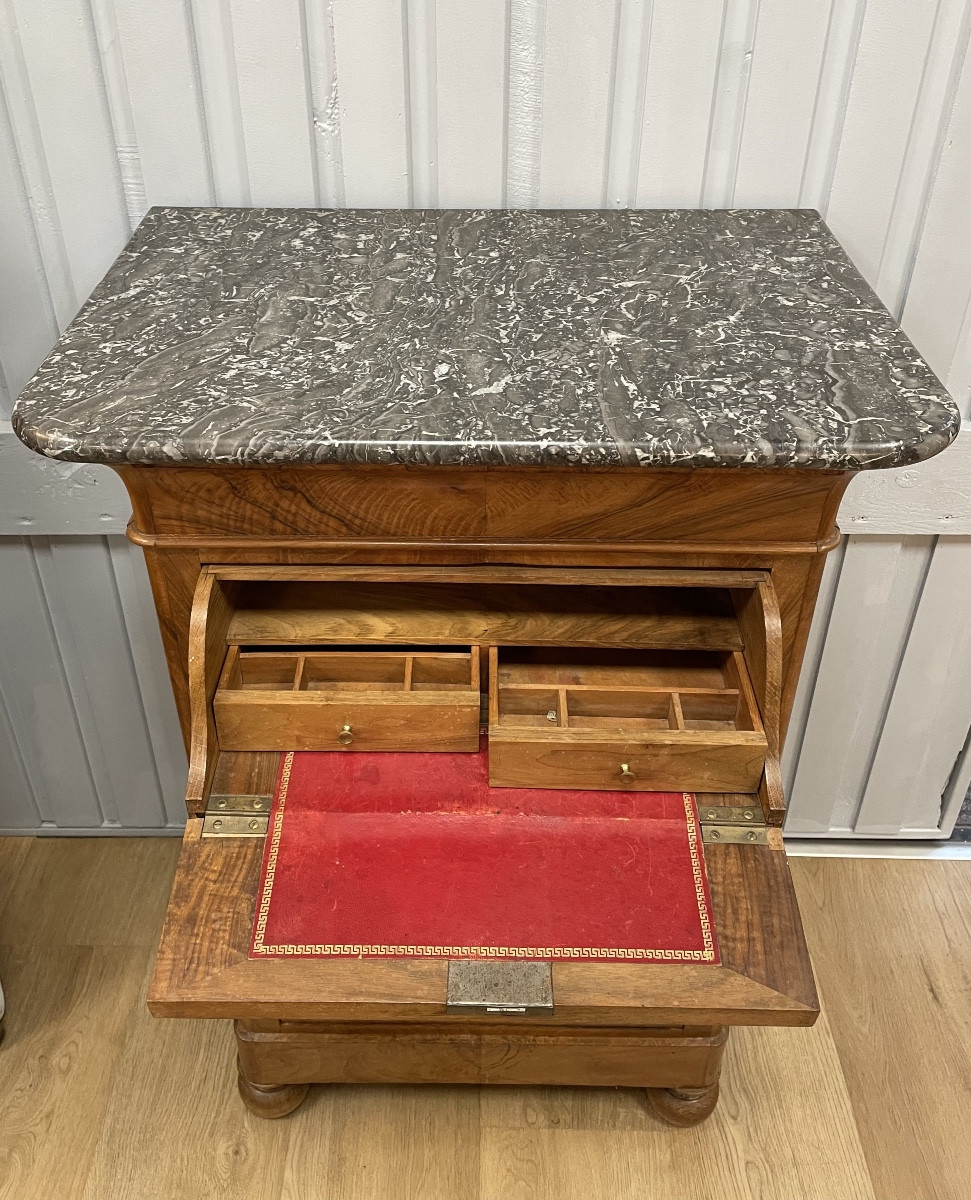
column 615, row 719
column 373, row 698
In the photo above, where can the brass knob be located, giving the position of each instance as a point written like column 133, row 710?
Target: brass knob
column 626, row 774
column 345, row 737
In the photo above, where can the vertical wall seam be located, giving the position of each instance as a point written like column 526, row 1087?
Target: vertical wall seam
column 102, row 88
column 117, row 103
column 961, row 364
column 33, row 543
column 527, row 39
column 714, row 108
column 739, row 23
column 221, row 104
column 814, row 120
column 421, row 74
column 35, row 172
column 748, row 59
column 915, row 231
column 21, row 760
column 810, row 671
column 129, row 650
column 507, row 51
column 892, row 683
column 627, row 99
column 404, row 12
column 308, row 94
column 228, row 46
column 23, row 199
column 841, row 106
column 192, row 38
column 325, row 101
column 609, row 153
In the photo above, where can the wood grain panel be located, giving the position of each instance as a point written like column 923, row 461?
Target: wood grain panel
column 711, row 507
column 173, row 575
column 202, row 967
column 655, row 762
column 511, row 1055
column 508, row 614
column 421, row 721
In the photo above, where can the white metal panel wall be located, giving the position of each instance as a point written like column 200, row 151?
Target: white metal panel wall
column 89, row 738
column 862, row 110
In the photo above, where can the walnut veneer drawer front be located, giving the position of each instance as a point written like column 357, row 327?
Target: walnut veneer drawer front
column 349, row 700
column 648, row 721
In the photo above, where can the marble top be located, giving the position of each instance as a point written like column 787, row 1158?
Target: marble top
column 653, row 338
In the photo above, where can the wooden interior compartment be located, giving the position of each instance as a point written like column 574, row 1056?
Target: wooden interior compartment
column 369, row 698
column 282, row 608
column 645, row 720
column 281, row 612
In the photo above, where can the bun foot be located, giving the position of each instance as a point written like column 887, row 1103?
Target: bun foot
column 272, row 1102
column 683, row 1106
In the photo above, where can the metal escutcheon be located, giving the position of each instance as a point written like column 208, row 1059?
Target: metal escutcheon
column 345, row 737
column 626, row 774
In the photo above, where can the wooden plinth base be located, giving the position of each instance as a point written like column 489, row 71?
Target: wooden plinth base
column 271, row 1102
column 679, row 1067
column 683, row 1106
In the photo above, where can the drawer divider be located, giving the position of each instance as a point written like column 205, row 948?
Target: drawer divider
column 299, row 674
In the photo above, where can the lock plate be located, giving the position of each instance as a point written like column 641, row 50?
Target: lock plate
column 512, row 989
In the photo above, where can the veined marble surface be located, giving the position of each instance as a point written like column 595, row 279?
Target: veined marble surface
column 654, row 338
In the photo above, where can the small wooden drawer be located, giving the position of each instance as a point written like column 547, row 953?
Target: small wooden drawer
column 648, row 721
column 349, row 699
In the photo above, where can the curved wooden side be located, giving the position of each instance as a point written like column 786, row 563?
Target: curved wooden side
column 760, row 621
column 208, row 624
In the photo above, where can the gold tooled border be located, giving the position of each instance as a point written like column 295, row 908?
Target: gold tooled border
column 286, row 950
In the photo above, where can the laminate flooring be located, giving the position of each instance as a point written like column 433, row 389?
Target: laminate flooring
column 99, row 1101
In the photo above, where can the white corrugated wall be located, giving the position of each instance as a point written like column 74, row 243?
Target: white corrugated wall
column 860, row 109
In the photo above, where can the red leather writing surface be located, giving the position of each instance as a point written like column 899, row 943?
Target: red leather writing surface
column 414, row 855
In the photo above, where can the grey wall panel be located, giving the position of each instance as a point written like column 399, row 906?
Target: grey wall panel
column 148, row 659
column 38, row 698
column 88, row 734
column 18, row 809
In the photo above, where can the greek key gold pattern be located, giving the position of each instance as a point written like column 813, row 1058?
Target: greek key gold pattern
column 381, row 950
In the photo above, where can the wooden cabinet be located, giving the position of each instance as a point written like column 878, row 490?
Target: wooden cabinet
column 608, row 629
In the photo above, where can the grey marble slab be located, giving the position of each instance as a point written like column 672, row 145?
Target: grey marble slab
column 654, row 338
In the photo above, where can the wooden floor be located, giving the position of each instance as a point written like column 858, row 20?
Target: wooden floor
column 98, row 1101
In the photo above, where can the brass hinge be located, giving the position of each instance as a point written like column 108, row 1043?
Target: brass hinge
column 734, row 823
column 236, row 816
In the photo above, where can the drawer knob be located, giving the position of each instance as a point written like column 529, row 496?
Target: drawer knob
column 626, row 774
column 345, row 737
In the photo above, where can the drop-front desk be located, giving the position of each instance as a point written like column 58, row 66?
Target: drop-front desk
column 576, row 473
